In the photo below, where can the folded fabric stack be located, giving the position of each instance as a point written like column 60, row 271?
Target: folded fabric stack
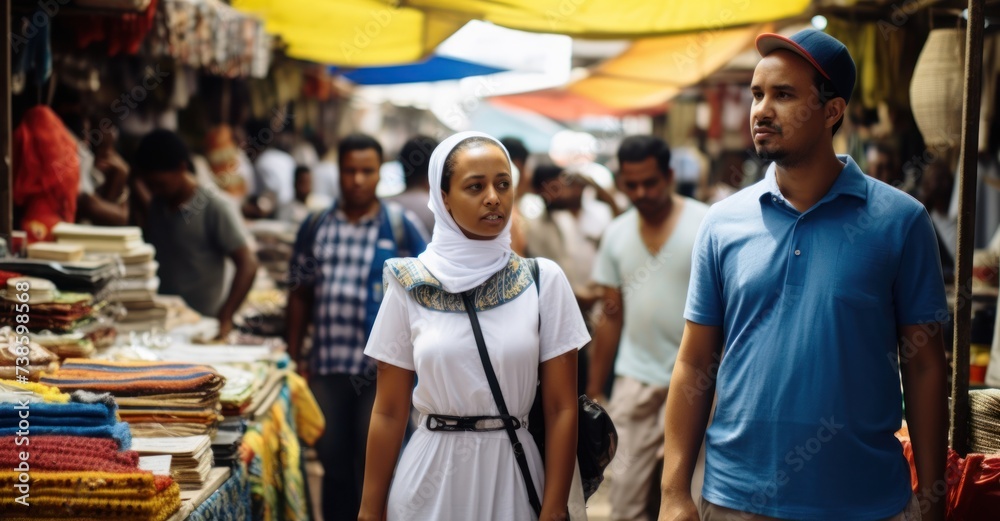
column 243, row 381
column 12, row 391
column 61, row 312
column 190, row 457
column 65, row 345
column 226, row 443
column 165, row 312
column 71, row 323
column 39, row 358
column 83, row 414
column 74, row 477
column 156, row 398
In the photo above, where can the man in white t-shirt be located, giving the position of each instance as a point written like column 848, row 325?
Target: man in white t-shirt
column 643, row 266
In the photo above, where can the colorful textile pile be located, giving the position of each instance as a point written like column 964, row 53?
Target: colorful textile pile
column 13, row 391
column 156, row 398
column 83, row 414
column 242, row 382
column 274, row 455
column 68, row 323
column 66, row 312
column 76, row 465
column 83, row 478
column 230, row 503
column 66, row 345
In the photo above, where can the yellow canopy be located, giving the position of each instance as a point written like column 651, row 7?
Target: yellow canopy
column 355, row 33
column 654, row 70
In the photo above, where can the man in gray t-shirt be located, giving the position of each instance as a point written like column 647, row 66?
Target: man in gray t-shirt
column 194, row 231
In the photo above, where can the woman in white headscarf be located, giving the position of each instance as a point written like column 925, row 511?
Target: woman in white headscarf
column 423, row 330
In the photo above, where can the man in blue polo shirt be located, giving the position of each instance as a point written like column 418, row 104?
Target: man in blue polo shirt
column 811, row 291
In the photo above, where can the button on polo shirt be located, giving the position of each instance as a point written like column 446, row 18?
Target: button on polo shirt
column 810, row 304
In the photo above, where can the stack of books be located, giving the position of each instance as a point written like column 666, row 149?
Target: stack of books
column 190, row 457
column 137, row 284
column 99, row 239
column 137, row 289
column 55, row 251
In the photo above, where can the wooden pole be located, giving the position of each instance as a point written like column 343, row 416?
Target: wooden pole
column 968, row 161
column 6, row 172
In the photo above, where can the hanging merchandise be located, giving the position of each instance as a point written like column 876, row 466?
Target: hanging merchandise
column 124, row 34
column 210, row 35
column 936, row 90
column 46, row 172
column 31, row 57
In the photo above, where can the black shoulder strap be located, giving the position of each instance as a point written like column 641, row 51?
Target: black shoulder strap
column 508, row 421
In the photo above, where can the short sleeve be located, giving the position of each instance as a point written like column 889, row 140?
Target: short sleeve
column 918, row 292
column 704, row 299
column 562, row 328
column 229, row 230
column 606, row 272
column 390, row 340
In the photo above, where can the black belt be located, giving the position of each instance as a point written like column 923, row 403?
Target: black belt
column 443, row 423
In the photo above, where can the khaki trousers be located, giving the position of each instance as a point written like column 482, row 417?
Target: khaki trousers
column 638, row 412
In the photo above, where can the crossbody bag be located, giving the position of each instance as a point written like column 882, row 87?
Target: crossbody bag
column 597, row 437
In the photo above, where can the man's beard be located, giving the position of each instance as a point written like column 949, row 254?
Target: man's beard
column 778, row 156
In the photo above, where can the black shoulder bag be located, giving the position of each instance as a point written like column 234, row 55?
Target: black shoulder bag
column 597, row 438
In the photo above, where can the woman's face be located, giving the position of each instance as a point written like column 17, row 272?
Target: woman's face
column 480, row 197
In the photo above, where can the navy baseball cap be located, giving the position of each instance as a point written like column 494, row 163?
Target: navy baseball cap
column 824, row 52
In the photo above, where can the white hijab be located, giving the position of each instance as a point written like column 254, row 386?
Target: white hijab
column 460, row 263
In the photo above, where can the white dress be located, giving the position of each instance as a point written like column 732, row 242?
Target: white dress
column 472, row 475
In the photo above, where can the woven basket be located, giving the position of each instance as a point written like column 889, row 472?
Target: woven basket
column 984, row 421
column 936, row 89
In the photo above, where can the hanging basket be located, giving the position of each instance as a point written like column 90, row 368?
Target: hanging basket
column 937, row 87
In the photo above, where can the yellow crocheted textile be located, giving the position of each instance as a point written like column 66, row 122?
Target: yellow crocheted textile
column 48, row 393
column 67, row 494
column 308, row 417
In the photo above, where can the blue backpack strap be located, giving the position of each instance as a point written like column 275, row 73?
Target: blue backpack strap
column 310, row 229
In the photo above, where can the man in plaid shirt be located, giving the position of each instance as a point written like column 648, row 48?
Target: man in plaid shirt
column 336, row 283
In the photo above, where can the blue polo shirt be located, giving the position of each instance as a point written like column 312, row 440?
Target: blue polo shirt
column 810, row 304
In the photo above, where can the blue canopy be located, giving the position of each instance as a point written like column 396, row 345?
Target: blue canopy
column 434, row 68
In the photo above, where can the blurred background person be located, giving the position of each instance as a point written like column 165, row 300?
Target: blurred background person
column 643, row 267
column 194, row 231
column 414, row 158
